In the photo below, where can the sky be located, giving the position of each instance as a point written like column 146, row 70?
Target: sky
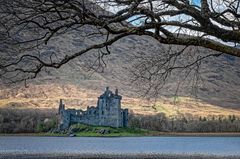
column 138, row 22
column 196, row 2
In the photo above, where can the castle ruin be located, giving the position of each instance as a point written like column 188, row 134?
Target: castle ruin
column 108, row 112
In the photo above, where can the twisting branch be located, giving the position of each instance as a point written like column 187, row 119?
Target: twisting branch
column 26, row 26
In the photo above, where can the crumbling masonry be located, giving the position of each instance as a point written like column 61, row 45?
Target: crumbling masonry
column 108, row 112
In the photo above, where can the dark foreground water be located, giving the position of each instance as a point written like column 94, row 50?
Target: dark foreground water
column 122, row 145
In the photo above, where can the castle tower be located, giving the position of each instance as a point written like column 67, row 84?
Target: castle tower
column 109, row 106
column 116, row 103
column 61, row 106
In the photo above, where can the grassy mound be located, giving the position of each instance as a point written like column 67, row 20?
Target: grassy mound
column 87, row 130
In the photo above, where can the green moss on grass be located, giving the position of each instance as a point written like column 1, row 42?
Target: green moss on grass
column 87, row 130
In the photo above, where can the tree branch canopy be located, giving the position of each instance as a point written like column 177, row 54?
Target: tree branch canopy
column 28, row 25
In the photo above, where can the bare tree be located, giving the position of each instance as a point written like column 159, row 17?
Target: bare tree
column 27, row 26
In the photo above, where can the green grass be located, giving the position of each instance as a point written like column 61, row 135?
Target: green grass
column 93, row 131
column 87, row 130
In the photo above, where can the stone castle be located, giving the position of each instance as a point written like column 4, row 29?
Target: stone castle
column 108, row 112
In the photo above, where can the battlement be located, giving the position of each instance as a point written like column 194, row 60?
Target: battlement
column 110, row 94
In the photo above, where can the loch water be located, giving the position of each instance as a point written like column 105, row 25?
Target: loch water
column 121, row 145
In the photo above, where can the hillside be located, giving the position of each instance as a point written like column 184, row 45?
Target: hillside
column 218, row 92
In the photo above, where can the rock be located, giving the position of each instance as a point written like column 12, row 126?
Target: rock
column 54, row 130
column 101, row 131
column 107, row 131
column 46, row 120
column 72, row 135
column 70, row 131
column 104, row 131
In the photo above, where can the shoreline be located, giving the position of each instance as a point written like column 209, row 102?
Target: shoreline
column 221, row 134
column 156, row 134
column 116, row 156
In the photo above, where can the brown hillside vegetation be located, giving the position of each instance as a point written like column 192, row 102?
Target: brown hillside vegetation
column 47, row 97
column 218, row 91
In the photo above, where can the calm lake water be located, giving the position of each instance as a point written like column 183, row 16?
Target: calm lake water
column 121, row 145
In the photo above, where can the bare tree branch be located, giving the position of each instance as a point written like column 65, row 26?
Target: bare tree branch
column 27, row 25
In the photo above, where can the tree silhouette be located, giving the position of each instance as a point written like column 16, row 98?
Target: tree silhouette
column 28, row 25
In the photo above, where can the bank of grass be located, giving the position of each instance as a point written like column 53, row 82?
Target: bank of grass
column 123, row 134
column 87, row 130
column 82, row 130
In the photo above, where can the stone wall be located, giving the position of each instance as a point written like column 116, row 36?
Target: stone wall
column 108, row 112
